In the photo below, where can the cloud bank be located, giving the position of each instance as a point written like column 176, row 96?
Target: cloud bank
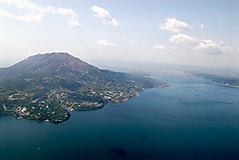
column 104, row 16
column 212, row 48
column 199, row 46
column 193, row 44
column 37, row 13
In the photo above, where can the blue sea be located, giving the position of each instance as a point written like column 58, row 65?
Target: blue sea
column 192, row 119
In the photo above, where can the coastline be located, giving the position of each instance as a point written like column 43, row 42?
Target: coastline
column 217, row 83
column 222, row 84
column 90, row 108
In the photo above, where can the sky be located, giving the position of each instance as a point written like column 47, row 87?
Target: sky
column 185, row 32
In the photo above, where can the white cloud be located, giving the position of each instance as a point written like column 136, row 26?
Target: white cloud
column 202, row 26
column 106, row 43
column 5, row 13
column 104, row 16
column 193, row 44
column 175, row 26
column 214, row 48
column 74, row 23
column 211, row 47
column 65, row 12
column 31, row 17
column 21, row 4
column 158, row 46
column 36, row 13
column 183, row 39
column 26, row 17
column 207, row 44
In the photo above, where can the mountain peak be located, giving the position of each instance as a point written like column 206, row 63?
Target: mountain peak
column 50, row 63
column 45, row 86
column 52, row 54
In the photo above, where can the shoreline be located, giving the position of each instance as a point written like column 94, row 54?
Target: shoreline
column 222, row 84
column 214, row 82
column 92, row 108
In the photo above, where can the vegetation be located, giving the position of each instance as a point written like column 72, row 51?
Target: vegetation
column 46, row 87
column 221, row 80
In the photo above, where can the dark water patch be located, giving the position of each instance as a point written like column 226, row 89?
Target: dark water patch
column 142, row 137
column 117, row 151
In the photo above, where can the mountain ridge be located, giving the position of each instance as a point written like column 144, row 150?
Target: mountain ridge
column 55, row 60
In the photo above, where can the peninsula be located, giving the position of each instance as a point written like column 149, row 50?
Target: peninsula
column 219, row 79
column 46, row 87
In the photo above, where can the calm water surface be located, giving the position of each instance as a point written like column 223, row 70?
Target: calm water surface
column 191, row 119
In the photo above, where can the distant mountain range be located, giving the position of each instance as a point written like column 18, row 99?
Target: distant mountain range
column 45, row 87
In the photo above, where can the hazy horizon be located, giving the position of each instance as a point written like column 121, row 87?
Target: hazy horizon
column 146, row 67
column 200, row 33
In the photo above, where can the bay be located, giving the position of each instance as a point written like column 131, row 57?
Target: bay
column 190, row 119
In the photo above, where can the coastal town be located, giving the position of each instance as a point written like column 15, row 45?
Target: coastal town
column 55, row 106
column 48, row 87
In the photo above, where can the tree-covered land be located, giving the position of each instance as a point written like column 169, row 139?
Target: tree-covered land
column 47, row 87
column 218, row 79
